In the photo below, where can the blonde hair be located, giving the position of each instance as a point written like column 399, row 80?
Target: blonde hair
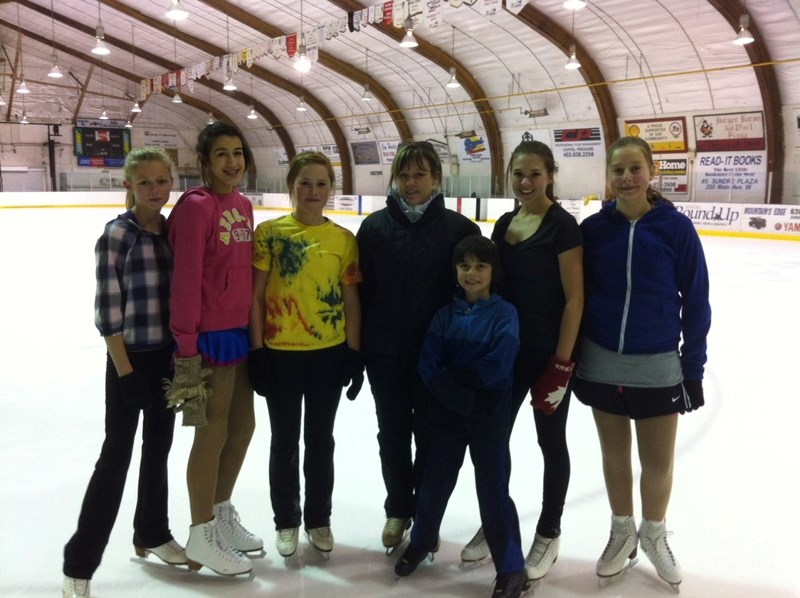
column 135, row 158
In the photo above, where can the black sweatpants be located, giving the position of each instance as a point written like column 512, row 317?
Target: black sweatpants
column 101, row 503
column 312, row 379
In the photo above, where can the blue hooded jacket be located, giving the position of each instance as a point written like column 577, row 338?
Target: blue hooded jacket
column 646, row 285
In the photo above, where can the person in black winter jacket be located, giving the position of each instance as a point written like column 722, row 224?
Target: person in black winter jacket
column 405, row 251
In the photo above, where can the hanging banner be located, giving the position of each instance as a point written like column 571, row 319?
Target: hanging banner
column 735, row 132
column 664, row 135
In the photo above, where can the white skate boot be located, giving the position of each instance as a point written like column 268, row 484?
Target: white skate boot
column 207, row 547
column 75, row 588
column 476, row 549
column 171, row 553
column 394, row 532
column 621, row 547
column 653, row 538
column 233, row 531
column 321, row 538
column 542, row 555
column 286, row 541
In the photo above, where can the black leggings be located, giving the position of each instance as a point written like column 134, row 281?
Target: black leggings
column 551, row 432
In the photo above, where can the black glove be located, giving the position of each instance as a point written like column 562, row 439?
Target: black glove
column 260, row 371
column 136, row 394
column 694, row 390
column 353, row 373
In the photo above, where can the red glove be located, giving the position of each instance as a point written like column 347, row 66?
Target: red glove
column 549, row 390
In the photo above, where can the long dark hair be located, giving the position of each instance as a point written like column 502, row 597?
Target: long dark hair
column 206, row 139
column 544, row 152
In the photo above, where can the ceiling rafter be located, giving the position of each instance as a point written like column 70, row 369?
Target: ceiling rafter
column 591, row 73
column 326, row 59
column 97, row 63
column 769, row 87
column 311, row 100
column 470, row 85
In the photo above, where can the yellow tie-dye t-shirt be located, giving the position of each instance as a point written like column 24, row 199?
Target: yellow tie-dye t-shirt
column 308, row 266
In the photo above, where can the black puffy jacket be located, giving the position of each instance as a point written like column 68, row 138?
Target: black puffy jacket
column 408, row 275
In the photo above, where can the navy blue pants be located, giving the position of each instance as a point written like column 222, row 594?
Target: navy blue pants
column 84, row 551
column 312, row 379
column 485, row 432
column 401, row 404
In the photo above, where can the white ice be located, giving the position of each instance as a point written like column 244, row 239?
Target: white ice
column 734, row 508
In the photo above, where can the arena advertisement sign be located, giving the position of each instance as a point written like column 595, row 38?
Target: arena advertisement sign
column 577, row 143
column 734, row 132
column 664, row 135
column 672, row 176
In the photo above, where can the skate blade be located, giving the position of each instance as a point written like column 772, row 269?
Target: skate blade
column 159, row 564
column 255, row 554
column 471, row 565
column 606, row 580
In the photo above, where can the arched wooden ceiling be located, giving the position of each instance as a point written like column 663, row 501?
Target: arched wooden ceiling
column 662, row 58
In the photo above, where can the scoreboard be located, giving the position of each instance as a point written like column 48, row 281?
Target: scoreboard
column 101, row 146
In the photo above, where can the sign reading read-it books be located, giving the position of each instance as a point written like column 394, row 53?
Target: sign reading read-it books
column 735, row 132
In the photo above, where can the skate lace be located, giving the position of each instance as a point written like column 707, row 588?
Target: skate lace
column 661, row 555
column 477, row 540
column 222, row 545
column 540, row 549
column 287, row 535
column 234, row 524
column 78, row 587
column 395, row 525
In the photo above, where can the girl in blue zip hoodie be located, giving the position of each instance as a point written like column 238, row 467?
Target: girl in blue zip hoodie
column 643, row 349
column 466, row 362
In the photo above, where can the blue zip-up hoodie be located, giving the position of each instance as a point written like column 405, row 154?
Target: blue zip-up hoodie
column 646, row 285
column 470, row 349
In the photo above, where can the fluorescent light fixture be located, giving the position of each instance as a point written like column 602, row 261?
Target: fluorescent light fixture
column 177, row 99
column 574, row 4
column 301, row 107
column 252, row 114
column 103, row 115
column 136, row 108
column 210, row 120
column 24, row 120
column 129, row 124
column 229, row 84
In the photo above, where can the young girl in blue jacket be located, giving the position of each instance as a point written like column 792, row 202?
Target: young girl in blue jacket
column 646, row 291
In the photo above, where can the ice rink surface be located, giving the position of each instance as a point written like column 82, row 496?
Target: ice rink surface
column 733, row 514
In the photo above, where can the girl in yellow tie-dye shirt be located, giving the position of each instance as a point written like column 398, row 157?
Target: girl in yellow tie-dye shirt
column 305, row 329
